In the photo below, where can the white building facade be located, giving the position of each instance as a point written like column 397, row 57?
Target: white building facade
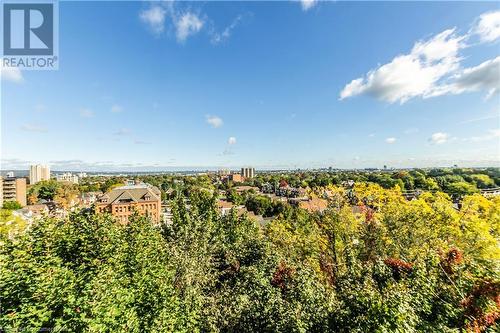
column 248, row 172
column 67, row 177
column 38, row 173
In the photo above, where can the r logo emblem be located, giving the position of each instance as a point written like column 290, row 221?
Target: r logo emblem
column 28, row 29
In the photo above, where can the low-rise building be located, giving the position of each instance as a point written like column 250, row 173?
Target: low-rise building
column 67, row 177
column 291, row 192
column 123, row 201
column 88, row 198
column 314, row 205
column 34, row 210
column 224, row 207
column 235, row 178
column 244, row 188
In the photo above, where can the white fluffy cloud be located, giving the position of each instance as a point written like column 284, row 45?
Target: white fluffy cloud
column 186, row 25
column 308, row 4
column 432, row 68
column 411, row 75
column 214, row 121
column 484, row 77
column 439, row 138
column 154, row 18
column 12, row 74
column 390, row 140
column 184, row 21
column 231, row 140
column 488, row 26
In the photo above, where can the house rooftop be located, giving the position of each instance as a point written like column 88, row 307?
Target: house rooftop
column 131, row 193
column 131, row 187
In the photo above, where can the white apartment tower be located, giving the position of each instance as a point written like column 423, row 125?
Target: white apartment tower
column 38, row 173
column 248, row 172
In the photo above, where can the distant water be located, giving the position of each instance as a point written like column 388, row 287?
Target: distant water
column 17, row 173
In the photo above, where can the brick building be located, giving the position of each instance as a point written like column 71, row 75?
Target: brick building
column 123, row 201
column 13, row 189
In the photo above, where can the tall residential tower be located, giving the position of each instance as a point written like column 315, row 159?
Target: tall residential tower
column 38, row 173
column 248, row 172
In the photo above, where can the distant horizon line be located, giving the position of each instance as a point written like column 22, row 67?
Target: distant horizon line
column 261, row 169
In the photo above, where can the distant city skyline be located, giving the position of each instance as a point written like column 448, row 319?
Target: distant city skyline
column 145, row 169
column 172, row 86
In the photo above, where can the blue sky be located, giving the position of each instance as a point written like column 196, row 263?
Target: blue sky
column 160, row 85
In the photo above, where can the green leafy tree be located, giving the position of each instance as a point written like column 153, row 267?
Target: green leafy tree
column 385, row 265
column 482, row 181
column 461, row 188
column 12, row 205
column 44, row 190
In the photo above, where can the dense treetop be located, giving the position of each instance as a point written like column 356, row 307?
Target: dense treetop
column 392, row 266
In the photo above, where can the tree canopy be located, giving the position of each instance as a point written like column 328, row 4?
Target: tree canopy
column 391, row 265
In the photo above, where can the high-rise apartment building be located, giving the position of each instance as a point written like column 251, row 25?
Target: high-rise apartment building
column 38, row 173
column 248, row 172
column 13, row 189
